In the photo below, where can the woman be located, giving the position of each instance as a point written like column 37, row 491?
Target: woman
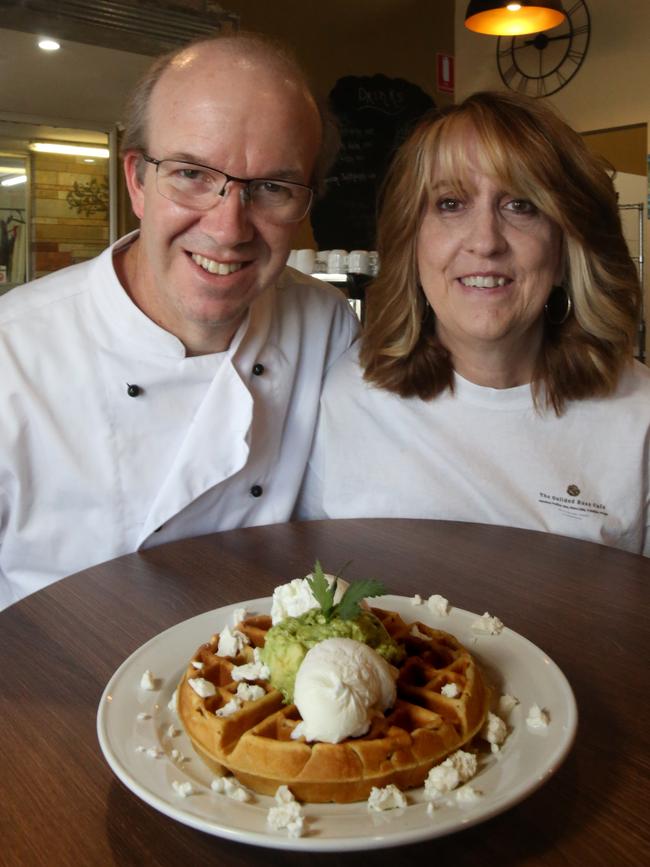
column 495, row 381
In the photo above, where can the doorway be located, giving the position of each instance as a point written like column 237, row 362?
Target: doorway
column 56, row 204
column 626, row 149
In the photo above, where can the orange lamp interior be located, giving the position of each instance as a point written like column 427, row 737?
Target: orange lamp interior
column 504, row 22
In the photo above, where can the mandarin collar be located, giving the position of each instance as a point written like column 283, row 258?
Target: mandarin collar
column 123, row 321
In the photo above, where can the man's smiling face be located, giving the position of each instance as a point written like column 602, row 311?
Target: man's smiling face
column 198, row 271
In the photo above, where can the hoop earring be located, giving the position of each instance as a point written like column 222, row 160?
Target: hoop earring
column 558, row 306
column 426, row 309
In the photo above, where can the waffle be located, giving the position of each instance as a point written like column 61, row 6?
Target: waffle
column 401, row 746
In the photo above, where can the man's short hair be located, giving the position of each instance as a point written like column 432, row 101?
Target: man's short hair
column 135, row 136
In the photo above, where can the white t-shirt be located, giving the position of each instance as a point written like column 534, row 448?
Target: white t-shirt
column 213, row 442
column 485, row 455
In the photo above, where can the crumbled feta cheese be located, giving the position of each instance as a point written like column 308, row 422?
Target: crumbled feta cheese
column 494, row 731
column 416, row 632
column 250, row 692
column 538, row 718
column 284, row 795
column 143, row 716
column 440, row 780
column 287, row 814
column 438, row 605
column 465, row 763
column 255, row 670
column 182, row 789
column 457, row 768
column 507, row 703
column 232, row 788
column 231, row 642
column 240, row 793
column 297, row 731
column 154, row 753
column 173, row 701
column 450, row 690
column 487, row 624
column 388, row 798
column 251, row 671
column 199, row 666
column 238, row 615
column 295, row 598
column 416, row 600
column 218, row 785
column 172, row 731
column 229, row 708
column 202, row 687
column 431, row 808
column 147, row 681
column 468, row 795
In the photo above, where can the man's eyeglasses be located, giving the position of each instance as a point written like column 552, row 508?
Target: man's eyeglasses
column 195, row 186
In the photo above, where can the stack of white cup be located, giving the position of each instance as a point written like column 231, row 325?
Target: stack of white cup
column 302, row 260
column 335, row 261
column 359, row 262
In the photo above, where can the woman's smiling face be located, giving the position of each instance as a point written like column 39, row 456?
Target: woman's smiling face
column 487, row 261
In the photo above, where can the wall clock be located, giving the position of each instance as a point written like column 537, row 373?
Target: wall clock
column 541, row 64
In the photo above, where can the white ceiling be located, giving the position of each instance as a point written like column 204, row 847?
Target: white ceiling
column 77, row 86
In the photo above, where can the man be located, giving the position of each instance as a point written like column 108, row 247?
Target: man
column 170, row 387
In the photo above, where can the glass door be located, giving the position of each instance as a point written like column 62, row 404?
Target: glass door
column 56, row 207
column 13, row 219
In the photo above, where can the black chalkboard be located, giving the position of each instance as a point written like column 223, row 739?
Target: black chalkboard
column 375, row 114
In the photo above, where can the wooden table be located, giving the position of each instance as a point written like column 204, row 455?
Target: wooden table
column 584, row 604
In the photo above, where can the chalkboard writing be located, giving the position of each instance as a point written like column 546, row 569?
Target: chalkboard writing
column 375, row 114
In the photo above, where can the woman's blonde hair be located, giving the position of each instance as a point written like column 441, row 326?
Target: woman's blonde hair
column 536, row 155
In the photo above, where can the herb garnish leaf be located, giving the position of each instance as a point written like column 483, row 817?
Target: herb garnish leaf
column 323, row 592
column 349, row 606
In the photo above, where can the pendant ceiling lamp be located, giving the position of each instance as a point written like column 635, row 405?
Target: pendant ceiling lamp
column 504, row 18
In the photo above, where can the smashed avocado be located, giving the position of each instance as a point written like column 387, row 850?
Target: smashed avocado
column 289, row 640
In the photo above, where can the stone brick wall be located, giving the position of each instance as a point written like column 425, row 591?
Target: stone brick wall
column 69, row 223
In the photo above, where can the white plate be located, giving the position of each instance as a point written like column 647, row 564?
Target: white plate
column 512, row 664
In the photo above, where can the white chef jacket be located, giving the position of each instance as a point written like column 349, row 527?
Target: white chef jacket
column 485, row 455
column 88, row 472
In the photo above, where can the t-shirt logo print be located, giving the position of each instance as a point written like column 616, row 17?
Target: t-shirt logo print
column 573, row 490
